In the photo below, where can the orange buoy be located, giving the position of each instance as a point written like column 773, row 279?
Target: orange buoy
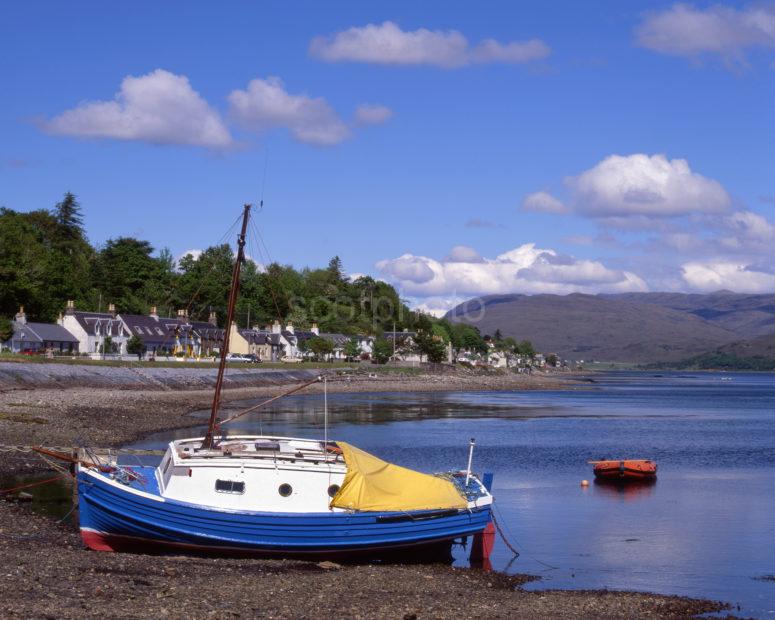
column 585, row 483
column 625, row 469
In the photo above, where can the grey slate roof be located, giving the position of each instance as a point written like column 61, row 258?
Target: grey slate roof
column 153, row 332
column 339, row 340
column 90, row 321
column 399, row 335
column 43, row 332
column 302, row 335
column 208, row 331
column 258, row 336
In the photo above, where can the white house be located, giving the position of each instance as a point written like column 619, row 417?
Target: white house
column 92, row 328
column 39, row 337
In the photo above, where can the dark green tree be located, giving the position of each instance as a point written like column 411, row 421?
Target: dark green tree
column 382, row 350
column 128, row 275
column 107, row 345
column 320, row 347
column 6, row 329
column 352, row 349
column 70, row 260
column 135, row 346
column 335, row 269
column 431, row 346
column 23, row 260
column 525, row 347
column 68, row 215
column 204, row 282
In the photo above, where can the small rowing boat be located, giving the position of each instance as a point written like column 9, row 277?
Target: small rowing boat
column 625, row 470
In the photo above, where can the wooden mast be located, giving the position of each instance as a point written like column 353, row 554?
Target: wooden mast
column 209, row 438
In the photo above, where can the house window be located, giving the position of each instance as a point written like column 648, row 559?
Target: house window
column 230, row 486
column 139, row 329
column 158, row 331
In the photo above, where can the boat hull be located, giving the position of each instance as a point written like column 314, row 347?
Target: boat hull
column 114, row 517
column 625, row 470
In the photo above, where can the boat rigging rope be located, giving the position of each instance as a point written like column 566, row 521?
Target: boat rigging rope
column 33, row 484
column 266, row 402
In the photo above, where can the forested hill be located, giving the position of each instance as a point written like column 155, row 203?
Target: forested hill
column 46, row 259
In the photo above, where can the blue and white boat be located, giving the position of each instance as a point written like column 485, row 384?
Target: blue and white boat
column 259, row 495
column 273, row 495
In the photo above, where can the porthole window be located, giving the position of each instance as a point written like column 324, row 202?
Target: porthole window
column 285, row 489
column 230, row 486
column 333, row 490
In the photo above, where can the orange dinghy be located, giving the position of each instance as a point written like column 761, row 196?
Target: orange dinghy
column 625, row 470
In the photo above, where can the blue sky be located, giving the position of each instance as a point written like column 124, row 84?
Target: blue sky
column 632, row 144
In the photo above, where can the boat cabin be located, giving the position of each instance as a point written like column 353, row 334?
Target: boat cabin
column 272, row 474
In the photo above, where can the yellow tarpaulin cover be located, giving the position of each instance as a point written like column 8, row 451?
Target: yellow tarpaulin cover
column 372, row 484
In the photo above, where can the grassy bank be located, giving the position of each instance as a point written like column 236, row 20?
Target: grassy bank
column 82, row 361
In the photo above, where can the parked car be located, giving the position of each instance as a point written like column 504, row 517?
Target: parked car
column 238, row 357
column 291, row 360
column 252, row 358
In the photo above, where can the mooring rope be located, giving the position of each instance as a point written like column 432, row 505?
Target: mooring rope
column 503, row 536
column 33, row 484
column 511, row 546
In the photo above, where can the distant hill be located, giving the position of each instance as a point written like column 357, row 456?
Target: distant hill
column 748, row 316
column 755, row 354
column 621, row 328
column 763, row 346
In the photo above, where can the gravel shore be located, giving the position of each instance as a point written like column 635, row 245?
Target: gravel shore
column 94, row 415
column 47, row 573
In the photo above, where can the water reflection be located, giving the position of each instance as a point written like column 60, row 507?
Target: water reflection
column 629, row 491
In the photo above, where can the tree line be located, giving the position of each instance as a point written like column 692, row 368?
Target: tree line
column 47, row 259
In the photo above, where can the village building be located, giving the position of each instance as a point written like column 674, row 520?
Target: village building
column 29, row 337
column 210, row 336
column 93, row 329
column 404, row 346
column 164, row 335
column 265, row 345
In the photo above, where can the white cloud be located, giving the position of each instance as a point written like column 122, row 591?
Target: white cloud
column 369, row 114
column 386, row 43
column 649, row 186
column 160, row 108
column 525, row 269
column 463, row 254
column 437, row 306
column 684, row 30
column 515, row 52
column 750, row 226
column 735, row 276
column 265, row 104
column 543, row 202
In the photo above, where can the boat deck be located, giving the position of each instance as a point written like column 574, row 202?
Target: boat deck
column 138, row 477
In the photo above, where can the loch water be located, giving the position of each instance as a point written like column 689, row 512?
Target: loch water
column 706, row 528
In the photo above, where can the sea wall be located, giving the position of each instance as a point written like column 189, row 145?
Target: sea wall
column 36, row 375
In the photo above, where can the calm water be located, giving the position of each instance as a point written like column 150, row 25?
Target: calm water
column 706, row 528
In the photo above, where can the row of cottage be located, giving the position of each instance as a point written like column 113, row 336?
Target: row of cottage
column 100, row 333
